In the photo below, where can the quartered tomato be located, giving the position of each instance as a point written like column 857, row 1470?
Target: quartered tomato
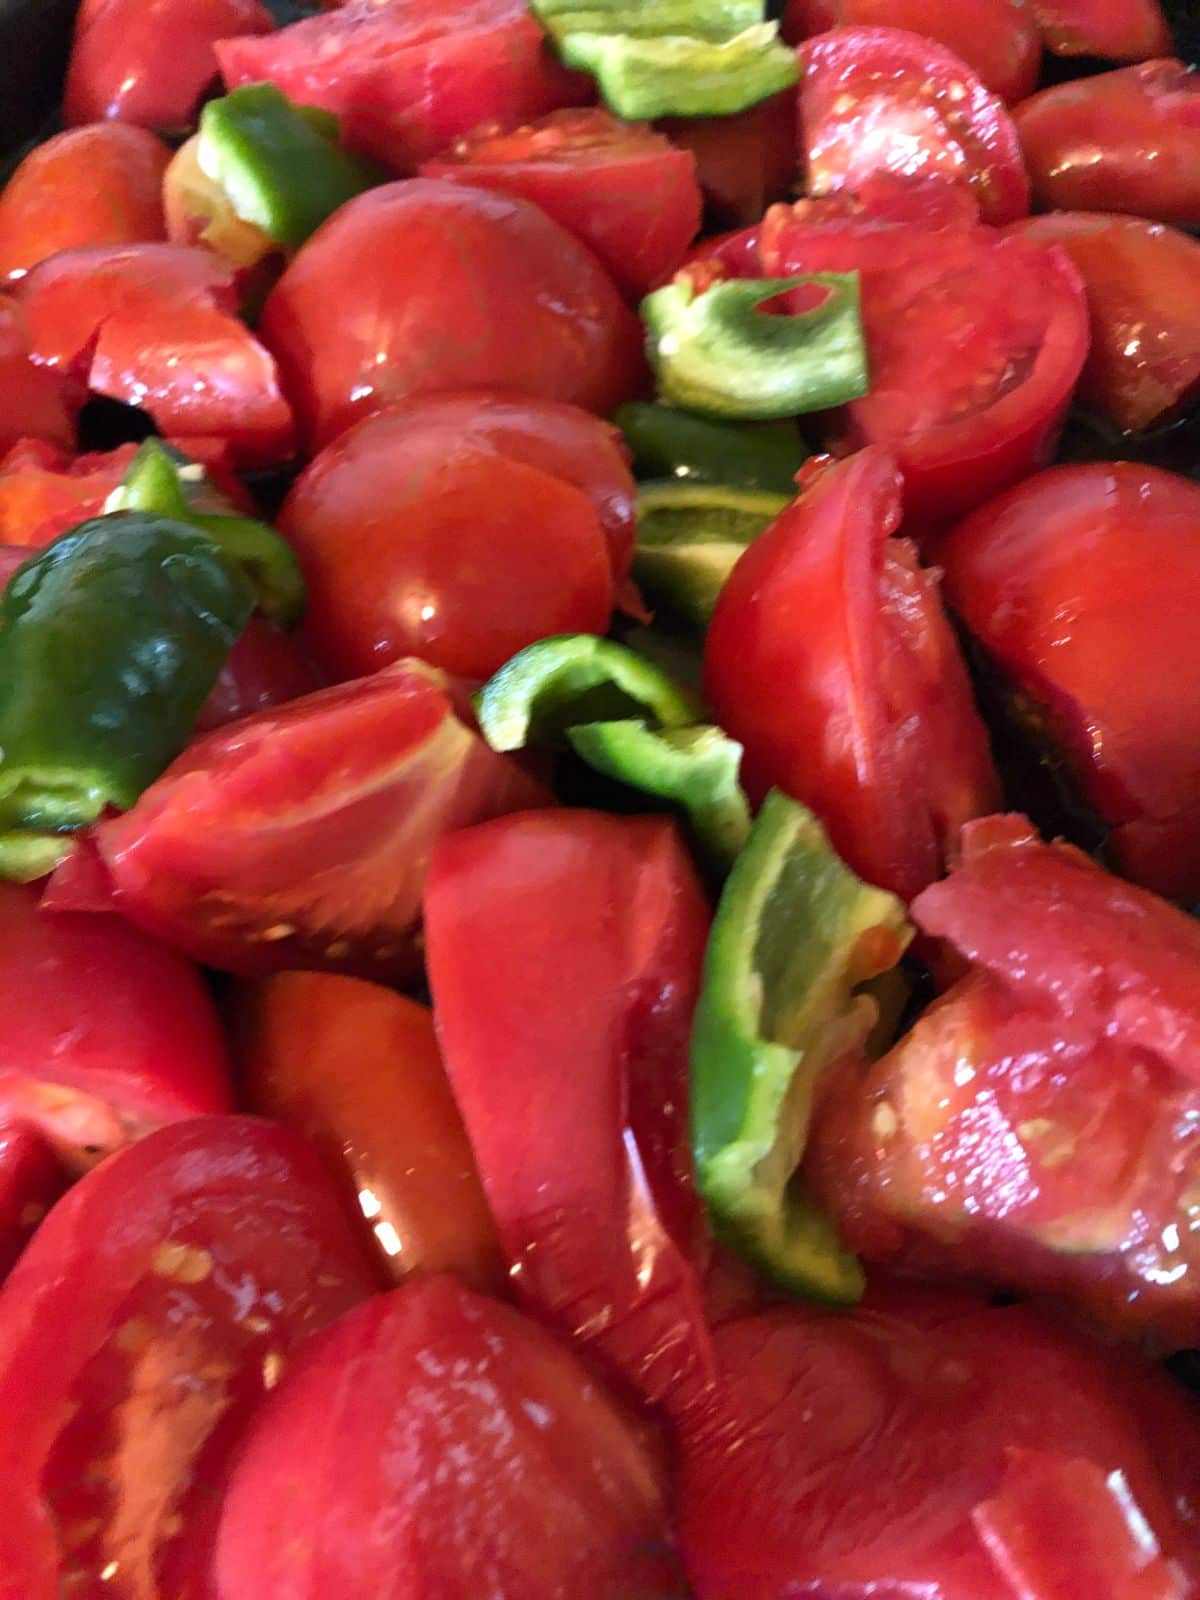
column 356, row 1069
column 1071, row 583
column 996, row 38
column 870, row 1454
column 266, row 667
column 300, row 837
column 1122, row 30
column 107, row 1035
column 829, row 658
column 1124, row 141
column 421, row 287
column 34, row 403
column 94, row 185
column 882, row 99
column 179, row 1278
column 31, row 1180
column 745, row 161
column 410, row 76
column 343, row 1487
column 155, row 325
column 564, row 953
column 151, row 61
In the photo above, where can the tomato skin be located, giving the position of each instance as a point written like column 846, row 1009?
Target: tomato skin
column 610, row 911
column 150, row 61
column 995, row 38
column 1121, row 30
column 265, row 668
column 180, row 1277
column 31, row 1180
column 1124, row 141
column 34, row 403
column 876, row 99
column 744, row 162
column 830, row 660
column 424, row 286
column 1112, row 548
column 356, row 1069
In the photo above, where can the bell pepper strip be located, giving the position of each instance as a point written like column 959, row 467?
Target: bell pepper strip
column 715, row 20
column 719, row 354
column 198, row 211
column 689, row 537
column 677, row 76
column 110, row 640
column 795, row 935
column 666, row 443
column 557, row 683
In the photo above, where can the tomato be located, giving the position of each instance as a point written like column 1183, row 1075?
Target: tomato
column 564, row 953
column 150, row 61
column 343, row 1490
column 112, row 1035
column 155, row 325
column 356, row 1069
column 31, row 1180
column 1122, row 30
column 300, row 836
column 853, row 1455
column 265, row 668
column 409, row 77
column 1070, row 583
column 1143, row 289
column 421, row 287
column 744, row 161
column 179, row 1279
column 1124, row 141
column 876, row 99
column 830, row 660
column 34, row 403
column 995, row 38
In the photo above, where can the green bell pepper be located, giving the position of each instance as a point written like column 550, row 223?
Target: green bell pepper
column 795, row 936
column 689, row 537
column 666, row 443
column 676, row 76
column 714, row 20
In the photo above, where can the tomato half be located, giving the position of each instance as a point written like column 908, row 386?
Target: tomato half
column 996, row 38
column 150, row 61
column 109, row 1035
column 564, row 953
column 1122, row 30
column 1071, row 583
column 409, row 77
column 179, row 1278
column 31, row 1180
column 356, row 1069
column 875, row 99
column 745, row 161
column 34, row 403
column 1124, row 141
column 342, row 1488
column 830, row 660
column 155, row 325
column 300, row 837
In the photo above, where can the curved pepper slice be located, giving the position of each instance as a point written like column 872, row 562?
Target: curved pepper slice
column 650, row 19
column 717, row 352
column 794, row 936
column 666, row 443
column 688, row 538
column 677, row 76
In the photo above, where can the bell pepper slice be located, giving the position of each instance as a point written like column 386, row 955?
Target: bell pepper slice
column 688, row 538
column 717, row 353
column 714, row 20
column 795, row 935
column 666, row 443
column 677, row 76
column 110, row 640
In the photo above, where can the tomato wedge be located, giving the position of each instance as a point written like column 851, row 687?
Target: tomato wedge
column 34, row 403
column 266, row 667
column 31, row 1180
column 744, row 162
column 1122, row 30
column 875, row 99
column 179, row 1277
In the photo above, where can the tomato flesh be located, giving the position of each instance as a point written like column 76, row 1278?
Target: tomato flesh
column 31, row 1180
column 744, row 162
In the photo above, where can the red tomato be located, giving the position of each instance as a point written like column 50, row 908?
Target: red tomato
column 151, row 61
column 343, row 1487
column 881, row 99
column 111, row 1035
column 96, row 185
column 410, row 76
column 265, row 668
column 830, row 660
column 1071, row 583
column 356, row 1069
column 851, row 1453
column 1122, row 30
column 564, row 953
column 744, row 161
column 155, row 325
column 1124, row 141
column 300, row 837
column 420, row 287
column 31, row 1180
column 996, row 38
column 179, row 1278
column 34, row 403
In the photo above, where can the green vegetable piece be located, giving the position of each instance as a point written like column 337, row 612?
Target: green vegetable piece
column 717, row 353
column 696, row 768
column 677, row 76
column 714, row 20
column 569, row 679
column 280, row 164
column 689, row 537
column 110, row 640
column 795, row 934
column 666, row 443
column 155, row 483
